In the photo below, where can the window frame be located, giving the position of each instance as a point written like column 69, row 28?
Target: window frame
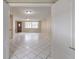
column 32, row 25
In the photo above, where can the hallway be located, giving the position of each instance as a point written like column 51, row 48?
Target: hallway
column 39, row 29
column 30, row 46
column 30, row 31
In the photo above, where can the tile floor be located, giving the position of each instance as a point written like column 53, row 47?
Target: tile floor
column 30, row 46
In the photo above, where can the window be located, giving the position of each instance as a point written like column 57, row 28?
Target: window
column 27, row 24
column 31, row 24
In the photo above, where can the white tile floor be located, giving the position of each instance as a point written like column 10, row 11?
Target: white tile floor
column 30, row 46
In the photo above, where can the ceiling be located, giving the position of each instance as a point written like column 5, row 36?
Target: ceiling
column 31, row 1
column 37, row 13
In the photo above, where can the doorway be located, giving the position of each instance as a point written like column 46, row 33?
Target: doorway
column 19, row 27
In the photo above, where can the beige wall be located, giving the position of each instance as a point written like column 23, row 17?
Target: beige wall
column 11, row 27
column 45, row 27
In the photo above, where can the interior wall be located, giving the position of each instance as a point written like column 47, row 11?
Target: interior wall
column 45, row 28
column 63, row 29
column 15, row 19
column 6, row 13
column 14, row 28
column 11, row 27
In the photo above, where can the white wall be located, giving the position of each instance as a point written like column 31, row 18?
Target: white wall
column 45, row 27
column 6, row 15
column 62, row 20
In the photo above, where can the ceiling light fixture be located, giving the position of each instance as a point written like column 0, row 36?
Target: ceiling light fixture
column 28, row 12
